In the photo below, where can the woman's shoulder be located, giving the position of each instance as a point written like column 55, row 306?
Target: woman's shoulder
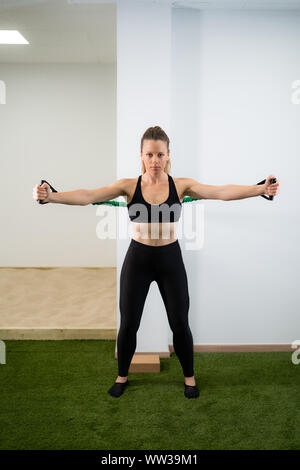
column 181, row 182
column 179, row 179
column 129, row 182
column 130, row 186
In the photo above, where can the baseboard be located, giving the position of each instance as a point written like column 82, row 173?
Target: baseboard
column 252, row 347
column 57, row 333
column 111, row 333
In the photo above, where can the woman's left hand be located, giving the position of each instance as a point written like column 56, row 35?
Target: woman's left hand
column 271, row 189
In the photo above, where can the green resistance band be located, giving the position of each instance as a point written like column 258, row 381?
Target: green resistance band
column 123, row 204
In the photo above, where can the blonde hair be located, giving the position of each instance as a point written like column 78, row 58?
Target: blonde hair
column 156, row 133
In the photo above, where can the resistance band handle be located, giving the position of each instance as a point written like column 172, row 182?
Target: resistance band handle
column 51, row 187
column 272, row 181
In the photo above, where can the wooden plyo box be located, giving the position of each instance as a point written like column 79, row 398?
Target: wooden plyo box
column 145, row 363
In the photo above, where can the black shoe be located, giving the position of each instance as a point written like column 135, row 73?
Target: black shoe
column 118, row 388
column 191, row 391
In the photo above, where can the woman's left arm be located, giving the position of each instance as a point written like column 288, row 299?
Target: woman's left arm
column 234, row 191
column 229, row 192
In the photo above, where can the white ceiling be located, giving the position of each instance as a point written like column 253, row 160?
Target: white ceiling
column 238, row 4
column 59, row 32
column 84, row 31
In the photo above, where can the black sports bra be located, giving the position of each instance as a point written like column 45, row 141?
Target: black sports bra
column 140, row 210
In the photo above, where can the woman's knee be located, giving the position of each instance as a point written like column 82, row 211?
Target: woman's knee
column 128, row 328
column 180, row 327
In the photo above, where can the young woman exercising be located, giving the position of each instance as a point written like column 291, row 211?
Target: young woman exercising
column 154, row 201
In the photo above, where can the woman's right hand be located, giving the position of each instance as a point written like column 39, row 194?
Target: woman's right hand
column 41, row 192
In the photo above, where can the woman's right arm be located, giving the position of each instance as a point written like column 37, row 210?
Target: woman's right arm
column 81, row 197
column 106, row 193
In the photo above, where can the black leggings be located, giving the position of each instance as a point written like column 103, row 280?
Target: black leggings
column 142, row 265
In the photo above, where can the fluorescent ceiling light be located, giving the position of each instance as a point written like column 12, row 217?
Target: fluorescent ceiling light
column 11, row 37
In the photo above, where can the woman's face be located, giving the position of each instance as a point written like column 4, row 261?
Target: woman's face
column 155, row 155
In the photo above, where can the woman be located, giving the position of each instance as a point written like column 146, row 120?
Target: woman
column 154, row 201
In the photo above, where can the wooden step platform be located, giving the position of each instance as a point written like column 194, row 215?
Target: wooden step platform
column 145, row 363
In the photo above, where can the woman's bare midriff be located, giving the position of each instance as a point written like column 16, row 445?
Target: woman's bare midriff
column 154, row 234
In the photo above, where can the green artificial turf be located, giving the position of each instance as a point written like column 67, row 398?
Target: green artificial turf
column 54, row 396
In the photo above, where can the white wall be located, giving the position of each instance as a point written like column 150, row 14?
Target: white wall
column 241, row 127
column 58, row 124
column 144, row 77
